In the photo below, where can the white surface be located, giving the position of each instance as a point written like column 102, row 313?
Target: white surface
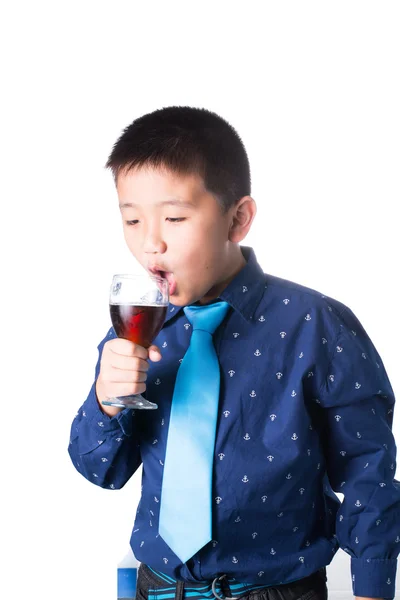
column 313, row 90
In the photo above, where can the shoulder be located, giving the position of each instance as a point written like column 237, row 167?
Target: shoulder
column 334, row 316
column 283, row 289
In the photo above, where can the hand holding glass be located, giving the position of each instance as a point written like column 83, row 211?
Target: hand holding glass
column 138, row 306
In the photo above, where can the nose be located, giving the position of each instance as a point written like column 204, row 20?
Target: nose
column 153, row 243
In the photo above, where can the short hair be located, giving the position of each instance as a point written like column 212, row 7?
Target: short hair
column 186, row 140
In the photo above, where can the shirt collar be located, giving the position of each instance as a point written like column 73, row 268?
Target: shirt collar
column 243, row 293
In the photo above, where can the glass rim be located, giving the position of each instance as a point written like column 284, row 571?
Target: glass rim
column 146, row 275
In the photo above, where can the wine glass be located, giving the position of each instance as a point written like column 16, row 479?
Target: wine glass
column 138, row 306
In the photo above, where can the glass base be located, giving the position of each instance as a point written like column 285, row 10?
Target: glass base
column 135, row 401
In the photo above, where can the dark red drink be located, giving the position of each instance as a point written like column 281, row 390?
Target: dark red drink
column 137, row 323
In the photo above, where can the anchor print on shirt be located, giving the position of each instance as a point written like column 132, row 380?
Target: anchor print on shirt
column 245, row 479
column 262, row 319
column 231, row 373
column 246, row 437
column 257, row 353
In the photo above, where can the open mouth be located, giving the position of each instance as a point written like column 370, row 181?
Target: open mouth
column 169, row 276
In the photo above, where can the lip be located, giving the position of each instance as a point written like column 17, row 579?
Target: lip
column 157, row 270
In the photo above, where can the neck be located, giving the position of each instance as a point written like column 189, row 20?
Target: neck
column 236, row 264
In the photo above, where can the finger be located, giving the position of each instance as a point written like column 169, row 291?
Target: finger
column 128, row 363
column 120, row 376
column 125, row 389
column 127, row 348
column 155, row 353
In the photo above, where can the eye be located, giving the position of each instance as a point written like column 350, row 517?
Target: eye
column 133, row 222
column 176, row 220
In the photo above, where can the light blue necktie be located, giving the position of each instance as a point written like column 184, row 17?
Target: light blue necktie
column 185, row 512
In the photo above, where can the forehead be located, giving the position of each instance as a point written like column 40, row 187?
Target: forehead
column 147, row 184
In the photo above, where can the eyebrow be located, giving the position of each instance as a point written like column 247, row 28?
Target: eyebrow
column 171, row 202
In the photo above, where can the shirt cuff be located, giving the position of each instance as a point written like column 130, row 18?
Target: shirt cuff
column 104, row 423
column 374, row 577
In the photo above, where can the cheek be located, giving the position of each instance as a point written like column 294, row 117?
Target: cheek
column 132, row 242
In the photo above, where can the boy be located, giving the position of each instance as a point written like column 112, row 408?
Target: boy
column 240, row 460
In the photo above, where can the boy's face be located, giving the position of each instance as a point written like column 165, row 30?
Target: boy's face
column 176, row 229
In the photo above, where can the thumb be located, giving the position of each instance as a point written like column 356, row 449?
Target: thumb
column 155, row 353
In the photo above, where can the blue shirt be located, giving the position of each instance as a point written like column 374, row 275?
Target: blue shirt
column 305, row 410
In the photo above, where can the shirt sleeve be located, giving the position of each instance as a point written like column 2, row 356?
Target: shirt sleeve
column 356, row 401
column 105, row 450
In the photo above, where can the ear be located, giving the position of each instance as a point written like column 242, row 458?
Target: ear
column 242, row 217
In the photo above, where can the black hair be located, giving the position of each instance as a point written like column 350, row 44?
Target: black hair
column 186, row 140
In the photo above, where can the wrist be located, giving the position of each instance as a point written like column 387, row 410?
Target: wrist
column 110, row 411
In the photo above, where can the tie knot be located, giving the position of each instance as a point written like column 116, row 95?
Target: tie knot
column 207, row 318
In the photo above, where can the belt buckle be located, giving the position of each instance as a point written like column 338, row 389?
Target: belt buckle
column 215, row 592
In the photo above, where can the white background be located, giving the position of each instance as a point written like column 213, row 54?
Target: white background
column 313, row 90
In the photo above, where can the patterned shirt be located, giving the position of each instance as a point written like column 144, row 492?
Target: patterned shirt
column 305, row 410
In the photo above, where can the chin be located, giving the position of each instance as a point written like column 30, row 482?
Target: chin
column 180, row 300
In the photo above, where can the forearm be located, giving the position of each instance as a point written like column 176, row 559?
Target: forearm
column 103, row 448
